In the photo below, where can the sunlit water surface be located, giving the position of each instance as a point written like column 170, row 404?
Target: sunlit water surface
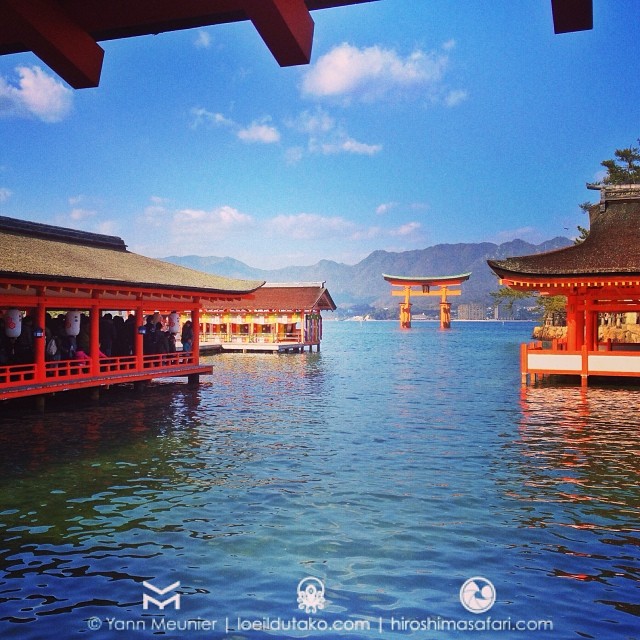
column 392, row 466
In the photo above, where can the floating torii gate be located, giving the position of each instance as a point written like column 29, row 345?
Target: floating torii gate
column 443, row 284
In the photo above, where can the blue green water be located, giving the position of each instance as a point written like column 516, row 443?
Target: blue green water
column 391, row 467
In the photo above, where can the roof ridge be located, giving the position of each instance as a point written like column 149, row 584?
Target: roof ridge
column 61, row 234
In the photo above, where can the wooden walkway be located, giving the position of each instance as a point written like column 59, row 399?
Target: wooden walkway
column 64, row 375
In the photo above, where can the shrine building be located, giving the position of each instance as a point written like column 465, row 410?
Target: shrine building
column 67, row 283
column 278, row 317
column 599, row 276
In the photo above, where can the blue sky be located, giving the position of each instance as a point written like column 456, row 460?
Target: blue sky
column 416, row 123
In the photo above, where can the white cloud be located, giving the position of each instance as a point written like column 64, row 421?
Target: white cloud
column 306, row 226
column 349, row 145
column 36, row 95
column 259, row 132
column 165, row 229
column 385, row 207
column 80, row 215
column 221, row 219
column 406, row 229
column 203, row 116
column 86, row 219
column 372, row 72
column 313, row 123
column 203, row 39
column 5, row 194
column 325, row 136
column 293, row 155
column 455, row 97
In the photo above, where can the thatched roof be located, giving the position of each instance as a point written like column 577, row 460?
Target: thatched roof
column 32, row 251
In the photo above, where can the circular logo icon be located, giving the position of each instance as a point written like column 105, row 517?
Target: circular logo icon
column 477, row 595
column 311, row 594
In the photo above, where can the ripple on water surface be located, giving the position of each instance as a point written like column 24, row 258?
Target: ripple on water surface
column 392, row 466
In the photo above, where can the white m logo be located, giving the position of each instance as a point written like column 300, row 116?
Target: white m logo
column 161, row 604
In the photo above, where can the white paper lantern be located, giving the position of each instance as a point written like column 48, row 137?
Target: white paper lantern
column 13, row 323
column 72, row 323
column 174, row 322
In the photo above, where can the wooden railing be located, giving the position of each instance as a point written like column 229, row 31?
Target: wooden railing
column 17, row 374
column 80, row 368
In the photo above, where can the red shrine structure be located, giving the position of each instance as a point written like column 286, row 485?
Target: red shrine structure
column 601, row 275
column 277, row 317
column 442, row 286
column 64, row 282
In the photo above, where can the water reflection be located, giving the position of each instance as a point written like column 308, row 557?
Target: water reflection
column 580, row 470
column 390, row 466
column 76, row 489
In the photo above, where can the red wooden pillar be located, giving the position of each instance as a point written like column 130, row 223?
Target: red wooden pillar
column 591, row 329
column 524, row 364
column 39, row 344
column 445, row 315
column 138, row 339
column 94, row 336
column 195, row 321
column 580, row 325
column 572, row 326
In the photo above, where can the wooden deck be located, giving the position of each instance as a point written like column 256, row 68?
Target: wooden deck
column 20, row 380
column 621, row 360
column 257, row 347
column 255, row 343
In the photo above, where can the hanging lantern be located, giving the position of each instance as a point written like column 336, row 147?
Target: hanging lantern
column 13, row 323
column 174, row 322
column 72, row 323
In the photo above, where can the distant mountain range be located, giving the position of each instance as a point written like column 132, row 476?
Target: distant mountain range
column 362, row 283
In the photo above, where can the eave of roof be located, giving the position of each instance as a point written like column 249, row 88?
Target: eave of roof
column 611, row 248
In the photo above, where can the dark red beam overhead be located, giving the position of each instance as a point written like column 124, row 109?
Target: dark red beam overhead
column 572, row 15
column 64, row 33
column 57, row 40
column 285, row 26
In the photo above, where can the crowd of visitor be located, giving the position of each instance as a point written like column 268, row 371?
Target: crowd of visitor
column 116, row 338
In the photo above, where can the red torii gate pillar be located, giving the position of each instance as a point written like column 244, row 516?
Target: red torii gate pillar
column 444, row 284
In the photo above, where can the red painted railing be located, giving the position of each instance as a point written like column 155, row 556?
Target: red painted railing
column 16, row 375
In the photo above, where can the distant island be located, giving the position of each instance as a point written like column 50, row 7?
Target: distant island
column 359, row 289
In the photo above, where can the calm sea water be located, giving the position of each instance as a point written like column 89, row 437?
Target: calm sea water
column 385, row 471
